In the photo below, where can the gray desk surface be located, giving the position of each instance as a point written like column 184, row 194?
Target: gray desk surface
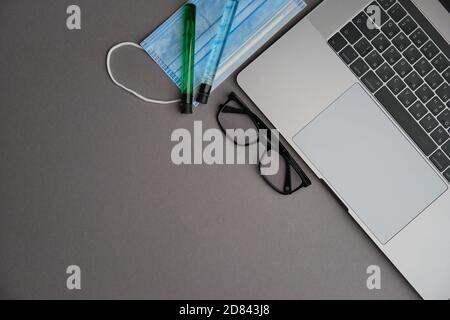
column 86, row 179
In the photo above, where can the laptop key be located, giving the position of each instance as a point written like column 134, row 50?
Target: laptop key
column 425, row 93
column 419, row 37
column 413, row 80
column 401, row 41
column 418, row 110
column 446, row 148
column 434, row 80
column 407, row 97
column 429, row 50
column 423, row 67
column 444, row 92
column 348, row 54
column 412, row 54
column 374, row 60
column 390, row 29
column 447, row 175
column 396, row 85
column 351, row 33
column 392, row 55
column 440, row 160
column 408, row 25
column 381, row 42
column 359, row 67
column 371, row 81
column 446, row 75
column 385, row 72
column 440, row 63
column 337, row 42
column 444, row 119
column 363, row 47
column 361, row 23
column 384, row 15
column 406, row 121
column 429, row 123
column 386, row 4
column 397, row 13
column 403, row 68
column 440, row 135
column 435, row 106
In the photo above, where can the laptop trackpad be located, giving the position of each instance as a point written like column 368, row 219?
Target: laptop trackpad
column 370, row 164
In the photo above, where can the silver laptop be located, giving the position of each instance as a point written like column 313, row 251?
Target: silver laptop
column 360, row 89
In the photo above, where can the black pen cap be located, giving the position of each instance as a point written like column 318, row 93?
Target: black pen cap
column 186, row 104
column 203, row 93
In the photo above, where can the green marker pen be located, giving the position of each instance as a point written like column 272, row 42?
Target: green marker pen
column 187, row 87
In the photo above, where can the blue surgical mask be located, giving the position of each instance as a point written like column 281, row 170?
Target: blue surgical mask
column 255, row 23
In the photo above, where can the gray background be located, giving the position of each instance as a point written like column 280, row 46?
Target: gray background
column 86, row 179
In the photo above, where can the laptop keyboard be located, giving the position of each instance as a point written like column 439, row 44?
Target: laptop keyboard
column 405, row 63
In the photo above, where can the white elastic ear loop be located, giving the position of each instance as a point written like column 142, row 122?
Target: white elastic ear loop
column 108, row 66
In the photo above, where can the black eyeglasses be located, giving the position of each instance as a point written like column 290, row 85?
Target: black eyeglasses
column 235, row 118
